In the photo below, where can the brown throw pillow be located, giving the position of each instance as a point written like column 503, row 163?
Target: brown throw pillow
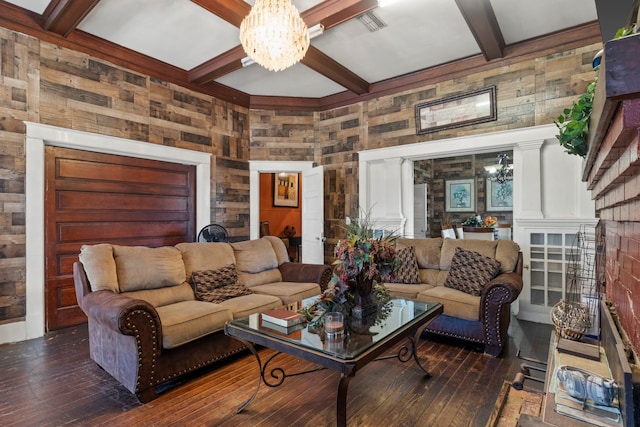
column 471, row 271
column 408, row 271
column 218, row 285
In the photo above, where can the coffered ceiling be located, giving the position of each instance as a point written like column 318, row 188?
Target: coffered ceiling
column 366, row 49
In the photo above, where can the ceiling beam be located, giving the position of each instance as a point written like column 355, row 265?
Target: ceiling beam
column 331, row 12
column 321, row 63
column 222, row 64
column 334, row 12
column 484, row 26
column 232, row 11
column 63, row 16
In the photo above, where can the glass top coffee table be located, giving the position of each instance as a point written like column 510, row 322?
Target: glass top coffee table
column 345, row 354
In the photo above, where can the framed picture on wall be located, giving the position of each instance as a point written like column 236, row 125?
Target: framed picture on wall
column 460, row 195
column 499, row 196
column 285, row 190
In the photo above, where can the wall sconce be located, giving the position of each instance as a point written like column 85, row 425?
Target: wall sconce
column 501, row 172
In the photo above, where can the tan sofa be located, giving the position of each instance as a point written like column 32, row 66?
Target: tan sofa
column 482, row 319
column 146, row 326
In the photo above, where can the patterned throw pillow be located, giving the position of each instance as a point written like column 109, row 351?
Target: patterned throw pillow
column 471, row 271
column 408, row 272
column 218, row 285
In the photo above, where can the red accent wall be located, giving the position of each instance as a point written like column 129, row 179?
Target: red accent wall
column 278, row 217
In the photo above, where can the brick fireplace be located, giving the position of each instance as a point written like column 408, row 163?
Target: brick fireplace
column 612, row 170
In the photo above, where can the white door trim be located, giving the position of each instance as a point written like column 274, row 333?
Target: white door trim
column 256, row 167
column 37, row 137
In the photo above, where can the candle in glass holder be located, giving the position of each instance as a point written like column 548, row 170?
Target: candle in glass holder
column 333, row 323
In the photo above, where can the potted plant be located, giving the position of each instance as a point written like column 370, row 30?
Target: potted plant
column 573, row 124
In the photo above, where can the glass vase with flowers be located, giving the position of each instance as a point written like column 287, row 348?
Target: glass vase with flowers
column 362, row 259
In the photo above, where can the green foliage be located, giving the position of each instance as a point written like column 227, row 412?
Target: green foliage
column 623, row 32
column 574, row 123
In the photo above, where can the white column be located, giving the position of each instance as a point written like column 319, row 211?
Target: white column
column 527, row 180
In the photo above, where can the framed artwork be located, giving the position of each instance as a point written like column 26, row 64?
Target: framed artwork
column 455, row 111
column 285, row 190
column 460, row 195
column 499, row 196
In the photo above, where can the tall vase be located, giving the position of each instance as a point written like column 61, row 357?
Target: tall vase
column 364, row 301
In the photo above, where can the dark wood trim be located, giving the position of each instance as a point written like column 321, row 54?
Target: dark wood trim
column 334, row 12
column 323, row 64
column 484, row 26
column 232, row 11
column 568, row 39
column 19, row 19
column 63, row 16
column 219, row 66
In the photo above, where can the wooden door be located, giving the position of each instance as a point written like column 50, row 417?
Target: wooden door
column 95, row 198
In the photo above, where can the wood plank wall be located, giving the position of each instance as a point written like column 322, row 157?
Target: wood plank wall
column 529, row 93
column 44, row 83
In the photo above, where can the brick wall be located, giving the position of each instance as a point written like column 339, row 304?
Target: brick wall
column 622, row 240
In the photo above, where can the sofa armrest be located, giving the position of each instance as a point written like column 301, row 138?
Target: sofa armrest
column 310, row 273
column 495, row 309
column 510, row 285
column 117, row 312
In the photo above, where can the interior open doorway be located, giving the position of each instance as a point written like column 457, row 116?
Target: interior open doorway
column 311, row 199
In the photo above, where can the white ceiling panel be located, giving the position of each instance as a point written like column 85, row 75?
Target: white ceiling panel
column 419, row 34
column 298, row 80
column 525, row 19
column 178, row 32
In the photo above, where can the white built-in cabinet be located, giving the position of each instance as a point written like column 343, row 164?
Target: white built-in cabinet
column 549, row 250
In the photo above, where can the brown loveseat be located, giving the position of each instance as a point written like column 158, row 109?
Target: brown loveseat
column 482, row 319
column 146, row 326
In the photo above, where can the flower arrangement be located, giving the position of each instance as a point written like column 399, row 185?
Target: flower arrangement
column 362, row 259
column 477, row 221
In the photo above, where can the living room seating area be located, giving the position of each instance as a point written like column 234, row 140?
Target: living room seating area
column 158, row 313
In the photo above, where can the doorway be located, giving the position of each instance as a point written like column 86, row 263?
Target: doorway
column 37, row 137
column 93, row 198
column 311, row 198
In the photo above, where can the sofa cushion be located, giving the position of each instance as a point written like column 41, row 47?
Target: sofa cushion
column 164, row 296
column 427, row 251
column 140, row 267
column 288, row 292
column 205, row 256
column 100, row 266
column 248, row 304
column 408, row 271
column 484, row 247
column 507, row 253
column 456, row 303
column 186, row 321
column 406, row 291
column 218, row 285
column 279, row 249
column 262, row 278
column 470, row 271
column 254, row 256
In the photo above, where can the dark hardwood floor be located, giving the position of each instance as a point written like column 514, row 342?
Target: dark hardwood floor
column 51, row 381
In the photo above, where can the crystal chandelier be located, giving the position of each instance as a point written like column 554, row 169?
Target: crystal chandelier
column 274, row 35
column 502, row 172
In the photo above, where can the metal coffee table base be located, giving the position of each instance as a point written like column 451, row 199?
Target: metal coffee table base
column 277, row 375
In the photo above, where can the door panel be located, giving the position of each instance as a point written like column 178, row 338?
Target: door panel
column 313, row 216
column 94, row 198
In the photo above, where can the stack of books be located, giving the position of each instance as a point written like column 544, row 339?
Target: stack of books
column 283, row 321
